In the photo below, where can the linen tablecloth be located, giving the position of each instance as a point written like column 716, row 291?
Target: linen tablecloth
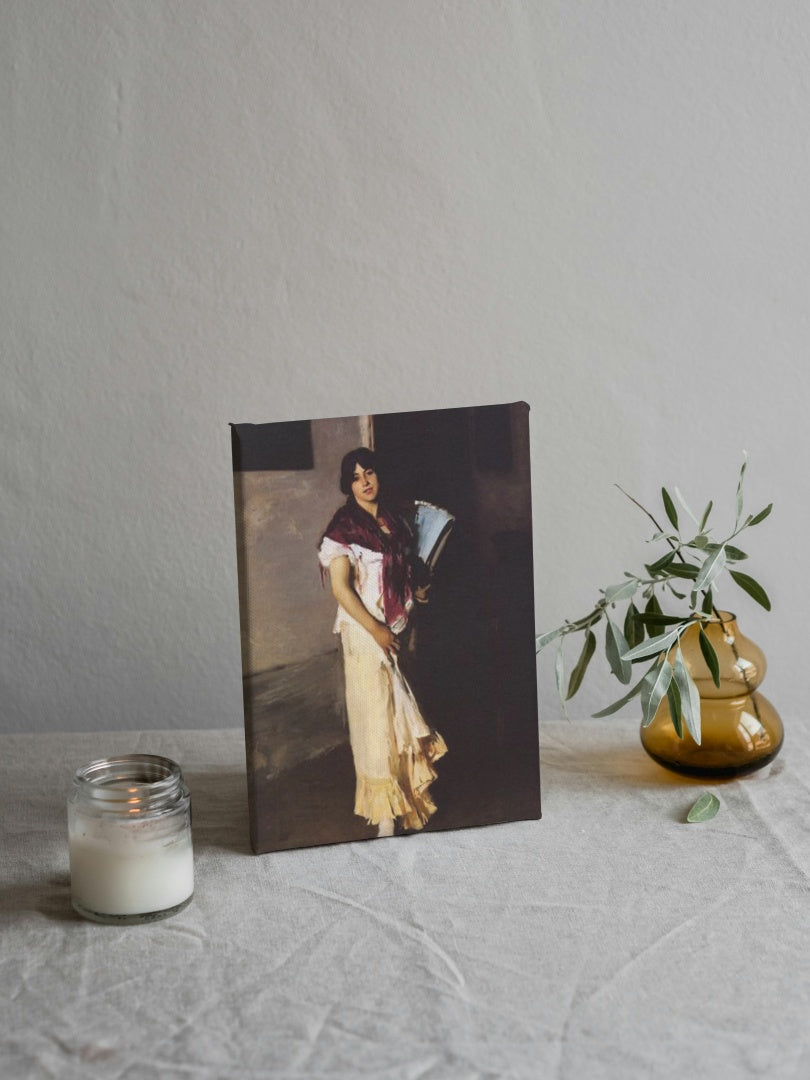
column 609, row 939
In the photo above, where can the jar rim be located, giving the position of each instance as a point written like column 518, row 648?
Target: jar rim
column 146, row 780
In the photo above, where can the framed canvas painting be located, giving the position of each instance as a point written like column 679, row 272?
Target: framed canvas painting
column 387, row 620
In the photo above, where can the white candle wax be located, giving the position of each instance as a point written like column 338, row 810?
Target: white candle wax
column 129, row 867
column 129, row 838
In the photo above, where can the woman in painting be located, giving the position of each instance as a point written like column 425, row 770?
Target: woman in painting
column 366, row 548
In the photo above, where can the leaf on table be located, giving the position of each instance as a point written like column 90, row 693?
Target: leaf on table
column 704, row 809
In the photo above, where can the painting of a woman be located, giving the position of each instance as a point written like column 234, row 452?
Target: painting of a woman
column 367, row 551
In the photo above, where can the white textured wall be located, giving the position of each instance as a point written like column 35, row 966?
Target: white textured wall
column 256, row 210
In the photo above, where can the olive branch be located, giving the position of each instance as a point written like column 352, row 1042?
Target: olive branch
column 694, row 564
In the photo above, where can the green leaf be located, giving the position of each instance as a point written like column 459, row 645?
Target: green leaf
column 712, row 567
column 661, row 620
column 669, row 506
column 615, row 648
column 585, row 621
column 752, row 587
column 704, row 809
column 701, row 541
column 740, row 488
column 614, row 593
column 621, row 702
column 559, row 674
column 660, row 564
column 733, row 554
column 653, row 607
column 653, row 688
column 546, row 639
column 707, row 607
column 633, row 629
column 710, row 656
column 704, row 520
column 755, row 520
column 690, row 698
column 577, row 675
column 683, row 503
column 660, row 643
column 674, row 702
column 684, row 570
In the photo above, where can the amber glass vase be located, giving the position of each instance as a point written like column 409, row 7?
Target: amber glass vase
column 740, row 729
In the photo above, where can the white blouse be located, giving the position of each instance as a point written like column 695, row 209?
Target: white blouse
column 368, row 581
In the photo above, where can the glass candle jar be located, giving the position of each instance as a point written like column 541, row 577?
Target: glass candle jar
column 129, row 836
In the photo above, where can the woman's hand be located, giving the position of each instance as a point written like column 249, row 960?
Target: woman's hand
column 385, row 638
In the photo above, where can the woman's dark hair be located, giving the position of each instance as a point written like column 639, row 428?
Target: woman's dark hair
column 363, row 457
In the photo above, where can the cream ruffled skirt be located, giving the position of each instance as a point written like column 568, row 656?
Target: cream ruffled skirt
column 393, row 748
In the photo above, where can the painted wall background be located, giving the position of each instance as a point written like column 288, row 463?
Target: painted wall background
column 260, row 211
column 281, row 516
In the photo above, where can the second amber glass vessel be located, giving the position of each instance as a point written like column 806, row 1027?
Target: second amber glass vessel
column 740, row 729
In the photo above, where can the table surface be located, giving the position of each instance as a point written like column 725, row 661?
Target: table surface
column 608, row 939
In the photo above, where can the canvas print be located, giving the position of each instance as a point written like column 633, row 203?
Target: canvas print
column 387, row 617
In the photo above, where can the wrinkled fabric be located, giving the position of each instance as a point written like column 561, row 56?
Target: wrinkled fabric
column 609, row 939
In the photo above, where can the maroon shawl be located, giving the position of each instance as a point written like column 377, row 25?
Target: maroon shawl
column 353, row 525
